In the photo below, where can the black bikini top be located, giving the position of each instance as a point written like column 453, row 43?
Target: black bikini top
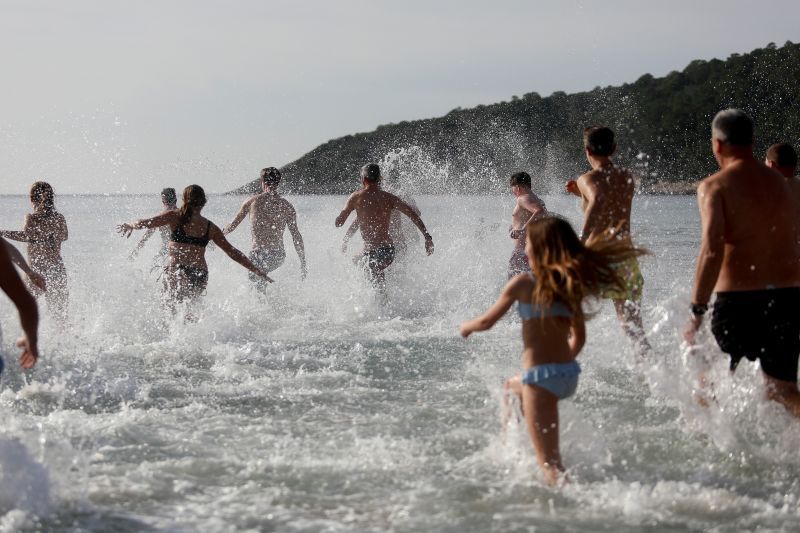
column 179, row 235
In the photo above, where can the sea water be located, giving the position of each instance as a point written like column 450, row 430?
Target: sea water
column 318, row 408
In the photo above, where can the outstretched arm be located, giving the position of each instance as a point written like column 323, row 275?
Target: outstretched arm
column 495, row 312
column 140, row 244
column 17, row 258
column 349, row 234
column 234, row 253
column 238, row 218
column 154, row 222
column 12, row 285
column 297, row 239
column 408, row 211
column 22, row 236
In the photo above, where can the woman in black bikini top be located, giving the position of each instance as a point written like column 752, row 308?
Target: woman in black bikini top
column 186, row 271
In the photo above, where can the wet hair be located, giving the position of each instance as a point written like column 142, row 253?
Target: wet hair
column 733, row 127
column 168, row 196
column 520, row 178
column 42, row 195
column 568, row 270
column 371, row 172
column 599, row 140
column 271, row 176
column 193, row 196
column 783, row 155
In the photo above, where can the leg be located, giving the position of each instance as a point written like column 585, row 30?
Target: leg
column 512, row 386
column 540, row 408
column 783, row 392
column 630, row 318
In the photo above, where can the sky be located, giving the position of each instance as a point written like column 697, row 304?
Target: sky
column 107, row 96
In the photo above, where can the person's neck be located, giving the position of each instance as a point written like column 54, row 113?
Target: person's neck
column 523, row 191
column 736, row 155
column 600, row 162
column 371, row 185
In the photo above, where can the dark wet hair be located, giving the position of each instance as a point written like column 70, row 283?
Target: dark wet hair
column 599, row 140
column 193, row 196
column 520, row 178
column 371, row 172
column 783, row 155
column 42, row 195
column 168, row 196
column 733, row 127
column 271, row 176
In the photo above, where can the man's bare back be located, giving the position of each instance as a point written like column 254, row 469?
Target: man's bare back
column 269, row 216
column 606, row 198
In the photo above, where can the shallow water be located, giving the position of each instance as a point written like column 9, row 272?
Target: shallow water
column 318, row 409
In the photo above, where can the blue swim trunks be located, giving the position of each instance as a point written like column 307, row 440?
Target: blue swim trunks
column 559, row 378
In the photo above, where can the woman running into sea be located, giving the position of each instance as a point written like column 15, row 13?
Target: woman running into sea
column 549, row 301
column 186, row 271
column 44, row 230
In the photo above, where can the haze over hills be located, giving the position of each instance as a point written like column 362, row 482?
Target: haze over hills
column 662, row 127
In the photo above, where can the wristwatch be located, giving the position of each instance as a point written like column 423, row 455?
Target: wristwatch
column 698, row 309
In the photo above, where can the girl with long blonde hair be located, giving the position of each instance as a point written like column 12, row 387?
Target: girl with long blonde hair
column 549, row 299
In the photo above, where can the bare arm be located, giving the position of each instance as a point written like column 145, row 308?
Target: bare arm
column 238, row 218
column 349, row 234
column 12, row 285
column 591, row 214
column 17, row 258
column 348, row 208
column 61, row 232
column 711, row 254
column 408, row 211
column 140, row 244
column 495, row 312
column 157, row 221
column 578, row 333
column 297, row 239
column 219, row 239
column 21, row 236
column 533, row 205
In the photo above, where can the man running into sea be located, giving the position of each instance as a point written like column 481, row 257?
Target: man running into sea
column 528, row 207
column 270, row 214
column 606, row 194
column 749, row 257
column 373, row 207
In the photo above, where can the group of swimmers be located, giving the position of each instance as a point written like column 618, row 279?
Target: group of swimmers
column 749, row 256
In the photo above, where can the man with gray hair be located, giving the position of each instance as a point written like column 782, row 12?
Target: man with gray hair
column 373, row 207
column 750, row 258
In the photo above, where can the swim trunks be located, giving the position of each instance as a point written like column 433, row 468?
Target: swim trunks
column 633, row 282
column 518, row 263
column 195, row 278
column 267, row 259
column 379, row 258
column 763, row 325
column 559, row 378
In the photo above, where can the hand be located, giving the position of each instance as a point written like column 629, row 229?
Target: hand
column 572, row 187
column 37, row 280
column 515, row 233
column 125, row 230
column 465, row 330
column 691, row 328
column 429, row 245
column 30, row 354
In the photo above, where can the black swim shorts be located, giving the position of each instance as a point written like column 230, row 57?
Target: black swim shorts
column 381, row 257
column 763, row 325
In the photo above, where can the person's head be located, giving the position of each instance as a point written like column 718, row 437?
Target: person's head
column 731, row 134
column 169, row 198
column 520, row 183
column 598, row 141
column 783, row 158
column 371, row 173
column 194, row 198
column 568, row 270
column 42, row 196
column 270, row 178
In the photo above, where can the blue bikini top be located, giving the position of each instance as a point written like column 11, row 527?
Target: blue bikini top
column 529, row 311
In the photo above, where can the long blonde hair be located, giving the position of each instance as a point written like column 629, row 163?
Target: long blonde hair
column 566, row 270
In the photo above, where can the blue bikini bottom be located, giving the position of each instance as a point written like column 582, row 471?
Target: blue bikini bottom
column 559, row 378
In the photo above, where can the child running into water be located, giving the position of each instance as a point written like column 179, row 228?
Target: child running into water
column 549, row 301
column 44, row 230
column 186, row 271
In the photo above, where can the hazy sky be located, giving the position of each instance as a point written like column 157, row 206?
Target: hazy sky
column 110, row 96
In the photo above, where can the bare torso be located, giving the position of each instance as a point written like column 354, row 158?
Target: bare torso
column 189, row 254
column 760, row 228
column 46, row 231
column 607, row 199
column 269, row 216
column 521, row 215
column 374, row 210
